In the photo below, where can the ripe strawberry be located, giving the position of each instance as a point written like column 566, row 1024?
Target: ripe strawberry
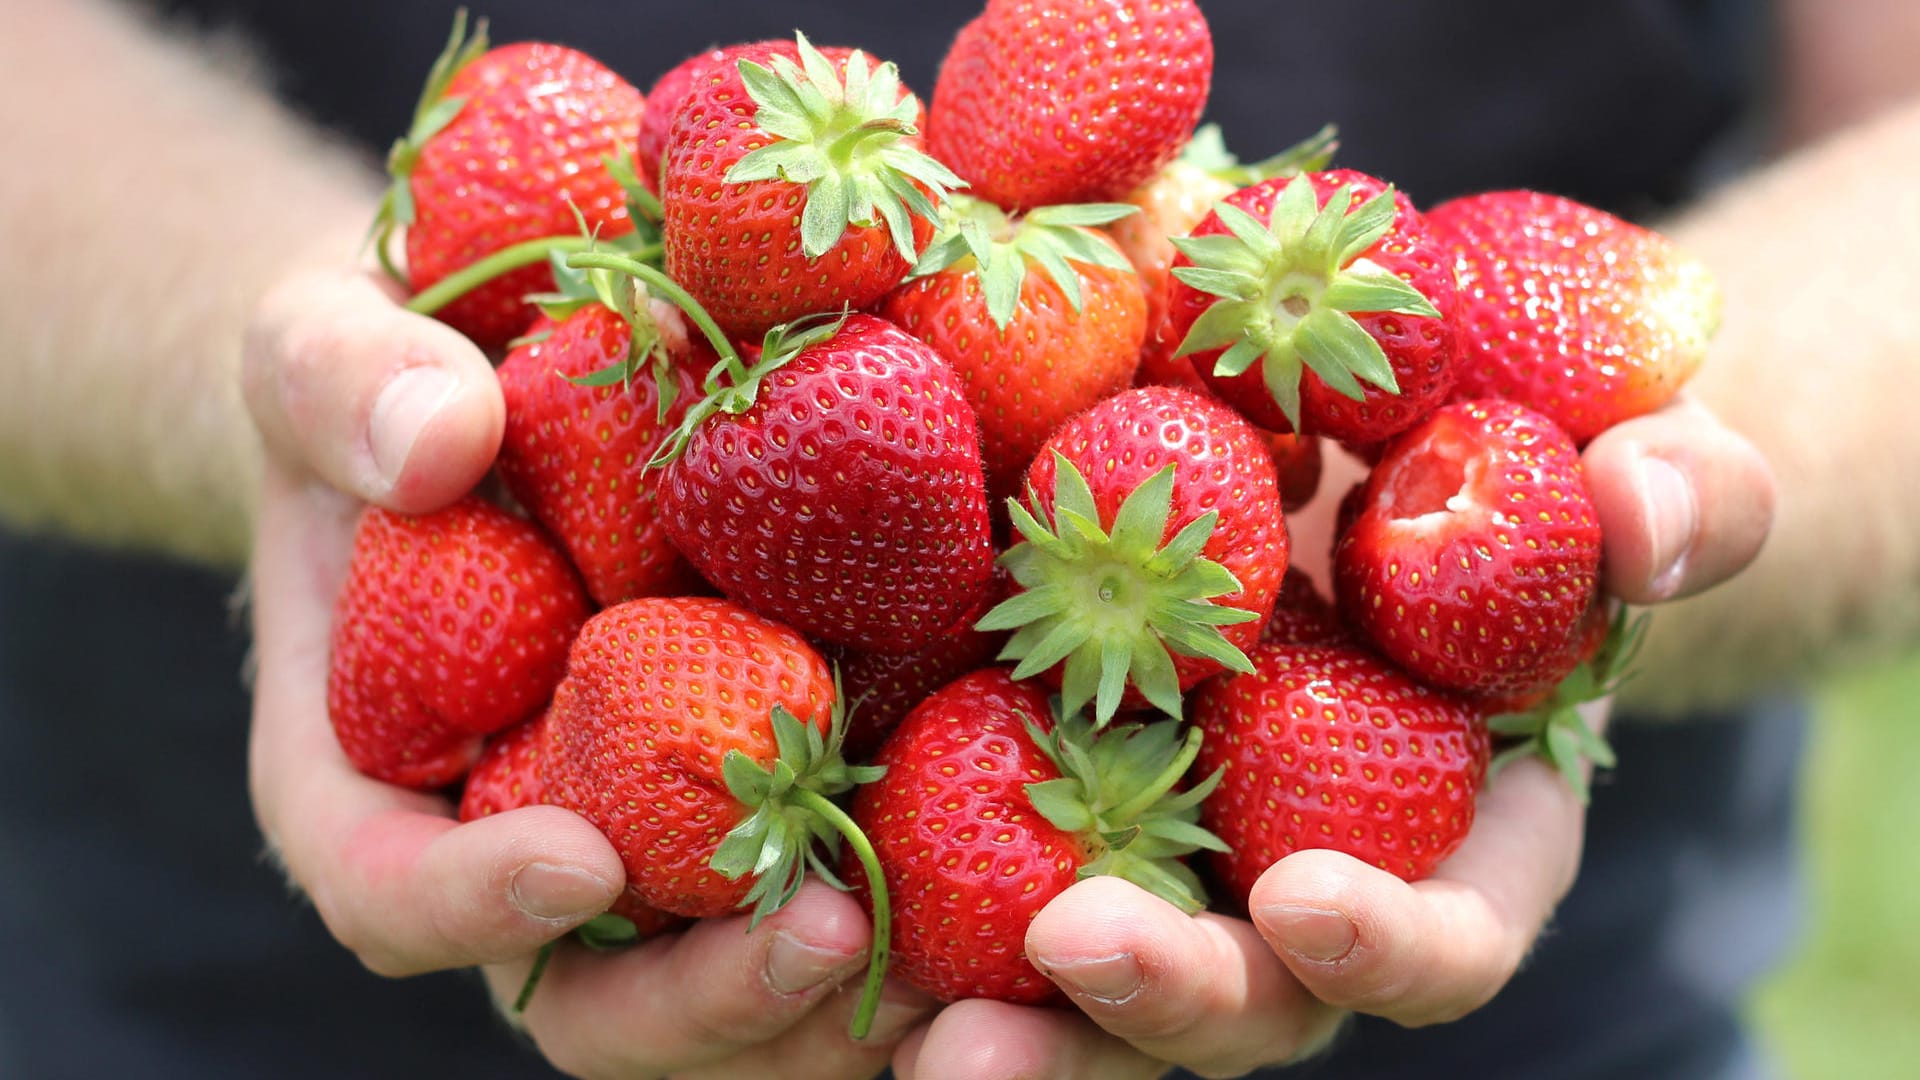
column 576, row 455
column 1549, row 724
column 776, row 209
column 1069, row 101
column 836, row 486
column 1040, row 318
column 1476, row 551
column 1297, row 460
column 505, row 145
column 451, row 626
column 1301, row 616
column 1292, row 293
column 1331, row 747
column 669, row 92
column 989, row 810
column 1572, row 311
column 1154, row 522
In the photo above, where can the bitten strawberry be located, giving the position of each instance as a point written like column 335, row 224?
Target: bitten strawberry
column 1571, row 311
column 451, row 626
column 1070, row 101
column 989, row 810
column 1331, row 747
column 505, row 146
column 1294, row 293
column 1476, row 551
column 793, row 186
column 1153, row 546
column 1040, row 318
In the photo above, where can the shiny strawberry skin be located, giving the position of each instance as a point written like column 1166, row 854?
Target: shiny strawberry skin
column 524, row 149
column 849, row 500
column 1331, row 747
column 1476, row 551
column 576, row 456
column 737, row 247
column 1423, row 351
column 1572, row 311
column 1221, row 463
column 450, row 626
column 968, row 861
column 666, row 96
column 657, row 691
column 1048, row 364
column 1057, row 101
column 1301, row 616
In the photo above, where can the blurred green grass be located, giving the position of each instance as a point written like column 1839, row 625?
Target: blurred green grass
column 1847, row 1005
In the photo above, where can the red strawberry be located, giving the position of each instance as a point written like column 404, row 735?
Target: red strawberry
column 1289, row 298
column 1572, row 311
column 1297, row 459
column 669, row 92
column 1549, row 724
column 1476, row 552
column 1040, row 318
column 1068, row 101
column 1154, row 529
column 837, row 487
column 776, row 210
column 1301, row 616
column 505, row 145
column 576, row 455
column 1331, row 747
column 984, row 816
column 451, row 626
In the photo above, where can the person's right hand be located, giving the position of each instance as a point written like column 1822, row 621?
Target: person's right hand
column 359, row 401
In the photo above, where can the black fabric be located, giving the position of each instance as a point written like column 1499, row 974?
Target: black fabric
column 144, row 938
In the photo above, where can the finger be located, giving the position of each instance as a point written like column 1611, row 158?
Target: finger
column 695, row 998
column 819, row 1048
column 1684, row 503
column 390, row 873
column 1203, row 992
column 992, row 1040
column 1360, row 938
column 392, row 407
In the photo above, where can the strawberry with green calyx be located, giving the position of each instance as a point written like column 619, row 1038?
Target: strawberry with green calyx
column 555, row 111
column 1553, row 728
column 1320, row 304
column 1040, row 317
column 990, row 809
column 794, row 183
column 1153, row 545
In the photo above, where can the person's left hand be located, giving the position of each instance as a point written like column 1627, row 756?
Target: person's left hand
column 1685, row 503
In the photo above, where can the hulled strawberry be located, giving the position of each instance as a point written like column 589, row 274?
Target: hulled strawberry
column 1331, row 747
column 1153, row 544
column 792, row 184
column 1476, row 551
column 989, row 809
column 1040, row 318
column 1070, row 101
column 450, row 626
column 1320, row 304
column 505, row 146
column 1571, row 311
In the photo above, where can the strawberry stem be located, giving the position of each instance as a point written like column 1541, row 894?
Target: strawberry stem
column 667, row 289
column 457, row 284
column 882, row 909
column 533, row 977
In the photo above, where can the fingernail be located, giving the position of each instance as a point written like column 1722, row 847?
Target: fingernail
column 794, row 966
column 1672, row 520
column 558, row 893
column 1315, row 934
column 402, row 411
column 1109, row 979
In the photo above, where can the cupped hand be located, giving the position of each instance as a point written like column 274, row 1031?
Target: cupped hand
column 359, row 401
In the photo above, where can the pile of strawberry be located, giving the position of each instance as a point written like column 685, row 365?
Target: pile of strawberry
column 823, row 401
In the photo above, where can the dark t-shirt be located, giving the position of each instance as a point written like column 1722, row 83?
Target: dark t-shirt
column 144, row 938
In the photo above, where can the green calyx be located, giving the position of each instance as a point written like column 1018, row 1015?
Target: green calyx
column 1555, row 731
column 793, row 819
column 1207, row 151
column 1052, row 237
column 845, row 139
column 1116, row 791
column 1288, row 289
column 1114, row 606
column 434, row 111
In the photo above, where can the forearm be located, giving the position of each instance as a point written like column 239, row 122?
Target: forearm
column 152, row 199
column 1821, row 339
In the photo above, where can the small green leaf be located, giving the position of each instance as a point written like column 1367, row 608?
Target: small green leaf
column 607, row 932
column 1364, row 227
column 1062, row 803
column 1374, row 290
column 1337, row 349
column 1143, row 515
